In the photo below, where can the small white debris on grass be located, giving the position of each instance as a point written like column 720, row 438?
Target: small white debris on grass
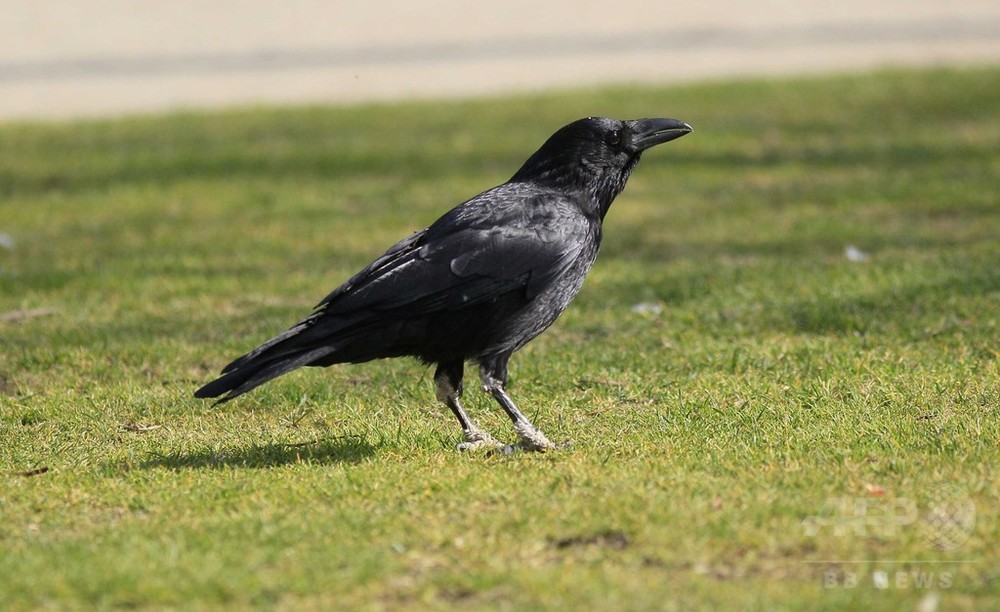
column 6, row 241
column 853, row 253
column 647, row 308
column 929, row 602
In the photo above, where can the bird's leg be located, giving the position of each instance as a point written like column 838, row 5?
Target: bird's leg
column 448, row 380
column 494, row 377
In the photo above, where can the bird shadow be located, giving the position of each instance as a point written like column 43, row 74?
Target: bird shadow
column 346, row 449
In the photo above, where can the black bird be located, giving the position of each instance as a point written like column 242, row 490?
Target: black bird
column 479, row 283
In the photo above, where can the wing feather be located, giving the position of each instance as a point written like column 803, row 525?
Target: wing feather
column 472, row 255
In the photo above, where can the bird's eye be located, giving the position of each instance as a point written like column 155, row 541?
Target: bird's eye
column 614, row 138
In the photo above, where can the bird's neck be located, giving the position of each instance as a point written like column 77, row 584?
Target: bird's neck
column 604, row 190
column 594, row 189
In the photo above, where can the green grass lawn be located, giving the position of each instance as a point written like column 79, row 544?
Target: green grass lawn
column 754, row 420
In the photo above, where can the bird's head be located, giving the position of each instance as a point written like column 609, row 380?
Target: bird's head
column 596, row 155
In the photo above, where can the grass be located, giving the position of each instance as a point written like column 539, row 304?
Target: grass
column 756, row 420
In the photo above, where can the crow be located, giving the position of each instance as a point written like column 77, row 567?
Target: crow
column 479, row 283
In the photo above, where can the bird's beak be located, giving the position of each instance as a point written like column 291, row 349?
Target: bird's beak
column 651, row 132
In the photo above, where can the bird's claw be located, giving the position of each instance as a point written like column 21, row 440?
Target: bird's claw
column 469, row 446
column 532, row 439
column 477, row 438
column 521, row 447
column 506, row 450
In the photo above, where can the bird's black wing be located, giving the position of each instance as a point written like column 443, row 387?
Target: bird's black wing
column 468, row 258
column 481, row 250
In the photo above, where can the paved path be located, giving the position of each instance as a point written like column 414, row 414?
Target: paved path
column 68, row 58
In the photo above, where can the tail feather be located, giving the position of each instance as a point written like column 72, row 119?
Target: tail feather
column 288, row 342
column 303, row 344
column 238, row 381
column 310, row 342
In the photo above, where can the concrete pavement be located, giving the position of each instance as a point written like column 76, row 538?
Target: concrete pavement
column 65, row 58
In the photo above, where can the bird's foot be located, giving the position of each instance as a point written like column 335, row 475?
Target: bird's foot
column 532, row 439
column 477, row 438
column 522, row 447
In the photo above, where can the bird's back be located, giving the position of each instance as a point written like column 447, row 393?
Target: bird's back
column 486, row 278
